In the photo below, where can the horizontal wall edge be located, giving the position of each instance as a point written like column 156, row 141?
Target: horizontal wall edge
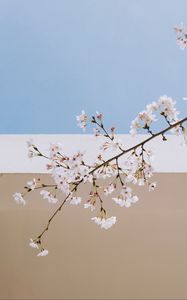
column 170, row 155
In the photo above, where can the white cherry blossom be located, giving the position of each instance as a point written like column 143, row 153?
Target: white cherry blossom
column 33, row 244
column 113, row 145
column 131, row 178
column 125, row 198
column 19, row 198
column 179, row 28
column 96, row 132
column 152, row 107
column 32, row 150
column 82, row 120
column 109, row 170
column 104, row 223
column 135, row 125
column 75, row 200
column 55, row 149
column 152, row 186
column 144, row 120
column 47, row 195
column 167, row 107
column 32, row 184
column 91, row 202
column 89, row 205
column 109, row 189
column 43, row 252
column 141, row 181
column 181, row 36
column 147, row 117
column 99, row 116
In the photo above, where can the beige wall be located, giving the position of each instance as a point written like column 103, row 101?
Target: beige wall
column 144, row 256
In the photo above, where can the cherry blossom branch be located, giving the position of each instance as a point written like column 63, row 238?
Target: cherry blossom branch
column 116, row 157
column 56, row 211
column 162, row 132
column 69, row 172
column 101, row 126
column 118, row 174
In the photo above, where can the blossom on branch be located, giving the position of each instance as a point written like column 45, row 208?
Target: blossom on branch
column 55, row 150
column 109, row 189
column 47, row 195
column 32, row 149
column 89, row 205
column 75, row 200
column 32, row 184
column 19, row 198
column 43, row 252
column 82, row 120
column 112, row 145
column 104, row 222
column 165, row 106
column 125, row 198
column 91, row 202
column 152, row 186
column 33, row 244
column 181, row 33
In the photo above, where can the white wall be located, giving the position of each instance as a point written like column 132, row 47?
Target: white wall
column 170, row 156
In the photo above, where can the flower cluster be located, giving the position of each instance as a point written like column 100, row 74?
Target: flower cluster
column 55, row 150
column 143, row 120
column 181, row 36
column 138, row 167
column 109, row 189
column 125, row 198
column 32, row 149
column 82, row 120
column 75, row 200
column 91, row 202
column 36, row 244
column 32, row 184
column 103, row 221
column 165, row 106
column 18, row 197
column 167, row 109
column 48, row 196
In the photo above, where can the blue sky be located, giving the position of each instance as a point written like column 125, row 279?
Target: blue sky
column 114, row 56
